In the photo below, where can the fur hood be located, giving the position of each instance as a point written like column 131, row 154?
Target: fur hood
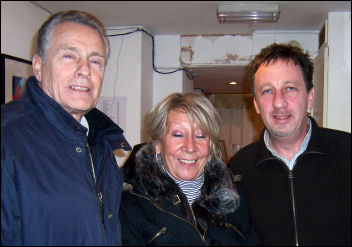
column 218, row 194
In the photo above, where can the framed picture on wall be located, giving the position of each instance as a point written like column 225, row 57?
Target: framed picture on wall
column 14, row 74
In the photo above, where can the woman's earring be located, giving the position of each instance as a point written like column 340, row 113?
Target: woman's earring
column 157, row 156
column 309, row 112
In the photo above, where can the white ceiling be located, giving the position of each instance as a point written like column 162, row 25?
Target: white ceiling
column 199, row 17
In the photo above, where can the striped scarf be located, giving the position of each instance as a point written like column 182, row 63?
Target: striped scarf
column 190, row 188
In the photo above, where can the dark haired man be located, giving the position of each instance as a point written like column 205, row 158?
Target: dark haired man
column 298, row 175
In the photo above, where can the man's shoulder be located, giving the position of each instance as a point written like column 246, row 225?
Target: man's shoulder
column 248, row 149
column 334, row 136
column 12, row 111
column 246, row 156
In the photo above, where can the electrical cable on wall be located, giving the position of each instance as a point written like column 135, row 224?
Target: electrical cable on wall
column 188, row 73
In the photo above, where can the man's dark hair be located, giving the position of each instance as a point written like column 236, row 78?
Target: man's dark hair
column 284, row 52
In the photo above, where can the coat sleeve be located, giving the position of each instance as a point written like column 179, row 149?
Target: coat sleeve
column 11, row 221
column 129, row 215
column 250, row 237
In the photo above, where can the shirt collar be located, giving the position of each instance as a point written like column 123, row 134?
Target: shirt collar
column 302, row 148
column 84, row 122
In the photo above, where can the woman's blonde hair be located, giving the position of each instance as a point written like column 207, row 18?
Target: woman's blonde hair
column 197, row 107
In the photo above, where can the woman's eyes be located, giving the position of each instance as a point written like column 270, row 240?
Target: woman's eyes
column 68, row 56
column 196, row 136
column 201, row 136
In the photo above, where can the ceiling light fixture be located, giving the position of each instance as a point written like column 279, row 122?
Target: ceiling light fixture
column 248, row 12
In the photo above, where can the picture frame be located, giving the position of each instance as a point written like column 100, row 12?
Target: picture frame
column 224, row 152
column 14, row 73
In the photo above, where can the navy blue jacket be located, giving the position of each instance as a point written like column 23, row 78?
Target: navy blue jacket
column 48, row 194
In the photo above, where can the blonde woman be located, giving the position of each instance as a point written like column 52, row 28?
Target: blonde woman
column 177, row 190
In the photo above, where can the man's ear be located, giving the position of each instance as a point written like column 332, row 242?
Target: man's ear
column 37, row 65
column 310, row 99
column 256, row 106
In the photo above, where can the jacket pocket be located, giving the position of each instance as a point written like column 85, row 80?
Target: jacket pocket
column 162, row 231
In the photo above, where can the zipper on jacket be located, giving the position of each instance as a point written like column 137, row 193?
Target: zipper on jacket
column 293, row 207
column 92, row 164
column 162, row 231
column 290, row 177
column 232, row 227
column 194, row 218
column 160, row 208
column 100, row 198
column 99, row 194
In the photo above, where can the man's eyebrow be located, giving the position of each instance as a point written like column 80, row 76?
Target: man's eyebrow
column 266, row 84
column 97, row 54
column 75, row 49
column 289, row 82
column 67, row 47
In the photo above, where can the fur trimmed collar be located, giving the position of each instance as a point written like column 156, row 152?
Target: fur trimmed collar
column 218, row 193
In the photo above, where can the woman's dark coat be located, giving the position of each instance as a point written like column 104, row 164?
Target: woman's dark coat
column 154, row 211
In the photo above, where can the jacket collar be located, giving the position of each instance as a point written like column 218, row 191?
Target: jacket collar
column 58, row 117
column 218, row 193
column 64, row 123
column 314, row 144
column 102, row 127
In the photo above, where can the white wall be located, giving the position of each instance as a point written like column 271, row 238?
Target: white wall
column 129, row 74
column 339, row 71
column 147, row 82
column 166, row 84
column 19, row 21
column 167, row 54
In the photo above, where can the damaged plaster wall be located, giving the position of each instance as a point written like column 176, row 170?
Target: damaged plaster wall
column 240, row 49
column 206, row 49
column 307, row 40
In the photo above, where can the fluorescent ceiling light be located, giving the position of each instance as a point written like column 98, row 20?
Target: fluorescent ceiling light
column 248, row 12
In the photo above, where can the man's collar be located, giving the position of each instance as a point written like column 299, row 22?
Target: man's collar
column 84, row 122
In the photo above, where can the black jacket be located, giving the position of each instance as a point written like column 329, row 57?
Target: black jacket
column 154, row 211
column 317, row 191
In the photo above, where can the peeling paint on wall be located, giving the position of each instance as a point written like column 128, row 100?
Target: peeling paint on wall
column 230, row 49
column 229, row 58
column 187, row 53
column 216, row 49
